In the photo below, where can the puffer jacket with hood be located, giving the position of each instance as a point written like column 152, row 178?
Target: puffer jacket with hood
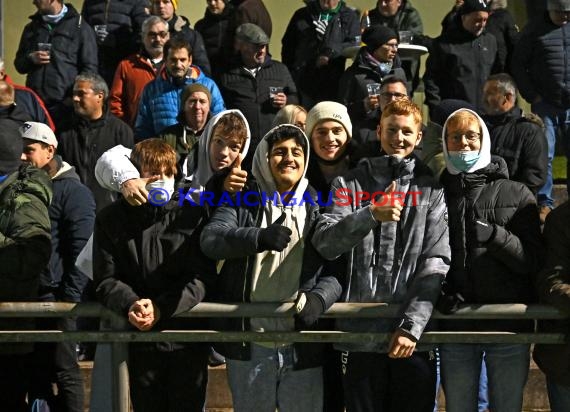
column 502, row 269
column 393, row 262
column 249, row 275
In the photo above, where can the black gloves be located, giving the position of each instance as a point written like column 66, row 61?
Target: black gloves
column 449, row 300
column 483, row 230
column 313, row 308
column 274, row 237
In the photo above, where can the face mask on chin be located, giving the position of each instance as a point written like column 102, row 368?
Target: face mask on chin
column 463, row 160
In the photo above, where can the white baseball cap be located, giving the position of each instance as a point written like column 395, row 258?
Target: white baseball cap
column 38, row 131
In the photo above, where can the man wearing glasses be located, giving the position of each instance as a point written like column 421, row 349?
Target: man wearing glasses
column 137, row 70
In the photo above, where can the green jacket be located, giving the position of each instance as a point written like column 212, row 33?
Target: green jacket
column 25, row 244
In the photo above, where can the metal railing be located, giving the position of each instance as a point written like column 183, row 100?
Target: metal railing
column 120, row 336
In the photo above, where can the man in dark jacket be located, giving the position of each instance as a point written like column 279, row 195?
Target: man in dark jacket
column 248, row 82
column 554, row 289
column 148, row 267
column 461, row 58
column 496, row 249
column 25, row 194
column 312, row 48
column 515, row 136
column 180, row 26
column 94, row 130
column 72, row 214
column 541, row 71
column 268, row 258
column 117, row 25
column 73, row 50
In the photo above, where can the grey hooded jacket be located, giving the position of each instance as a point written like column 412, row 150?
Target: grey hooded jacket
column 394, row 262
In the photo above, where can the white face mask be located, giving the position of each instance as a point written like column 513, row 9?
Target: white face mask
column 160, row 191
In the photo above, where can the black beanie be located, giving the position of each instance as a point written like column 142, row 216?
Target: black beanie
column 11, row 147
column 469, row 6
column 377, row 35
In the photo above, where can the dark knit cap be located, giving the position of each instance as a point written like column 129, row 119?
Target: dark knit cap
column 11, row 147
column 377, row 35
column 192, row 88
column 470, row 6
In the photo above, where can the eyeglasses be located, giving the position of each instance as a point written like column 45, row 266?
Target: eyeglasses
column 397, row 96
column 153, row 34
column 392, row 45
column 471, row 137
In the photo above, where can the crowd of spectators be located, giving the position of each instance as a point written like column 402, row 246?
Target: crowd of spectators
column 137, row 133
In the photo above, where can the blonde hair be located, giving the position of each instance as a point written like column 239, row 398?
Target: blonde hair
column 287, row 114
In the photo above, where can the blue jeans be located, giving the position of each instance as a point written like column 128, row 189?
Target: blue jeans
column 268, row 381
column 507, row 372
column 558, row 395
column 555, row 120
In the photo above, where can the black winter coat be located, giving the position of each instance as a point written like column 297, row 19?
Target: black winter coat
column 458, row 66
column 179, row 26
column 243, row 91
column 301, row 47
column 501, row 270
column 540, row 62
column 501, row 24
column 124, row 19
column 234, row 280
column 86, row 141
column 352, row 87
column 154, row 253
column 72, row 216
column 218, row 39
column 74, row 50
column 521, row 142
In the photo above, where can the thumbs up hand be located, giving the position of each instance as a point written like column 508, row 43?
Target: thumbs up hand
column 236, row 179
column 388, row 207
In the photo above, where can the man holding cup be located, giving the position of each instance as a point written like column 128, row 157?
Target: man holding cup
column 256, row 84
column 54, row 48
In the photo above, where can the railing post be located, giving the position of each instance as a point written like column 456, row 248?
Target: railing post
column 120, row 377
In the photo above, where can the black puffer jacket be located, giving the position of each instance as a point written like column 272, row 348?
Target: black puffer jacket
column 458, row 66
column 352, row 87
column 521, row 142
column 503, row 269
column 301, row 47
column 218, row 39
column 124, row 19
column 540, row 62
column 74, row 50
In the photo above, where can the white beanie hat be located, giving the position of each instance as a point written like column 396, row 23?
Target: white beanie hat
column 328, row 111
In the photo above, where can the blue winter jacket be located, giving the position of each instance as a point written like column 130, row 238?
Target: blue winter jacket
column 160, row 102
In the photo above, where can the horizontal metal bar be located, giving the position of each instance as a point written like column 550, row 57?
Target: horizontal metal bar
column 232, row 310
column 304, row 336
